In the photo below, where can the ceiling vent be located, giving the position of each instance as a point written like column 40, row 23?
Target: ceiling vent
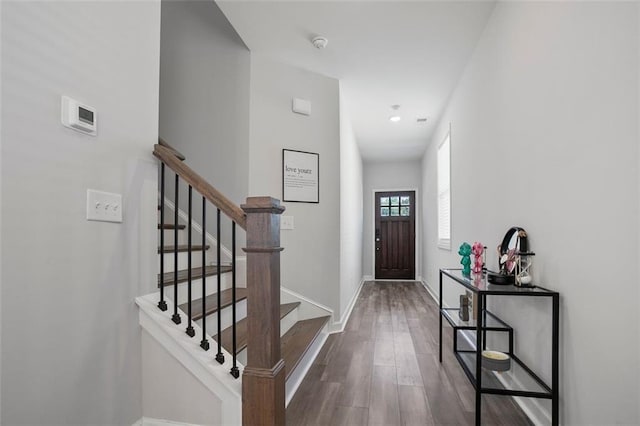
column 421, row 120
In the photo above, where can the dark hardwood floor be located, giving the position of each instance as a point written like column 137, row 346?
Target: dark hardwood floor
column 384, row 370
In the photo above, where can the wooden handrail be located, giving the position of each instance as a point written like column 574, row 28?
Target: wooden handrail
column 168, row 157
column 175, row 152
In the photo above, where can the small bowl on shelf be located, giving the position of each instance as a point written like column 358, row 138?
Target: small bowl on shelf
column 496, row 361
column 500, row 279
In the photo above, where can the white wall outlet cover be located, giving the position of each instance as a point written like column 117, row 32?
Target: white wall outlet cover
column 286, row 222
column 104, row 206
column 301, row 106
column 78, row 116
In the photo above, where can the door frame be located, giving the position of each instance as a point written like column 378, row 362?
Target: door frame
column 418, row 221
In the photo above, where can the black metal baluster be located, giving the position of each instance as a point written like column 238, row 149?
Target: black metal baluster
column 234, row 370
column 190, row 331
column 176, row 317
column 219, row 355
column 162, row 304
column 204, row 343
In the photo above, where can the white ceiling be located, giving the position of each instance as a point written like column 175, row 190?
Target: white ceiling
column 383, row 53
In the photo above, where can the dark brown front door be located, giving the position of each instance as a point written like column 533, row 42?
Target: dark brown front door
column 395, row 235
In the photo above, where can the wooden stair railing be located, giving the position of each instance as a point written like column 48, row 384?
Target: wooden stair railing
column 168, row 157
column 263, row 380
column 177, row 153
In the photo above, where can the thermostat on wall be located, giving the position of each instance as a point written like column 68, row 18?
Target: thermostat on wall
column 79, row 117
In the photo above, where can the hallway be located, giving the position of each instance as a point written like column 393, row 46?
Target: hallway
column 383, row 369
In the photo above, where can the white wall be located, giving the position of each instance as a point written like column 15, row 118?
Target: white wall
column 311, row 257
column 204, row 101
column 351, row 212
column 1, row 56
column 545, row 136
column 638, row 242
column 171, row 392
column 70, row 334
column 383, row 176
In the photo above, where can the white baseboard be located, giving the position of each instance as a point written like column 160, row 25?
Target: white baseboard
column 148, row 421
column 338, row 327
column 430, row 291
column 534, row 410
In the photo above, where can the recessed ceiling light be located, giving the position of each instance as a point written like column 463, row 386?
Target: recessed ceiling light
column 395, row 118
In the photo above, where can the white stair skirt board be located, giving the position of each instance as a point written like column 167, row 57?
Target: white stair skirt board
column 308, row 308
column 187, row 351
column 296, row 377
column 532, row 407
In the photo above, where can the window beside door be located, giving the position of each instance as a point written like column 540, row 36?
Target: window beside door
column 444, row 193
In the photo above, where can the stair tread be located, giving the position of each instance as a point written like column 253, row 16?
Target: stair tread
column 182, row 248
column 298, row 339
column 241, row 330
column 171, row 226
column 211, row 302
column 196, row 273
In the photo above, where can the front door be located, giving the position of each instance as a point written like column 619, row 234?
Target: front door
column 395, row 235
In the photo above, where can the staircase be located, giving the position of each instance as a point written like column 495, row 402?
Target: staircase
column 201, row 289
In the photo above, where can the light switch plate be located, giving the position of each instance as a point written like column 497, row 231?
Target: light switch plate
column 104, row 206
column 286, row 222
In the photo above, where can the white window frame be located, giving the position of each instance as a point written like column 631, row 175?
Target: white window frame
column 444, row 192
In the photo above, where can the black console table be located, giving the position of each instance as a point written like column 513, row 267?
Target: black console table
column 486, row 381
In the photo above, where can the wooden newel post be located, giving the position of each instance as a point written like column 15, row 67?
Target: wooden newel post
column 263, row 379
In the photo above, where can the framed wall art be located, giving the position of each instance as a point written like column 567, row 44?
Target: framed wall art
column 300, row 176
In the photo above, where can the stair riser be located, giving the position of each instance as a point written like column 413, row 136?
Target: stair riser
column 196, row 288
column 212, row 320
column 183, row 260
column 285, row 325
column 182, row 237
column 288, row 321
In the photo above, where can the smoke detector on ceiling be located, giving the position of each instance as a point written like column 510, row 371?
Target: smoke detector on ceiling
column 319, row 42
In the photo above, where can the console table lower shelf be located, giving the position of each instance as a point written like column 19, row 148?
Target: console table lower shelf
column 519, row 380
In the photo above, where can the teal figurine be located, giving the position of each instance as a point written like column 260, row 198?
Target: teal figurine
column 465, row 252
